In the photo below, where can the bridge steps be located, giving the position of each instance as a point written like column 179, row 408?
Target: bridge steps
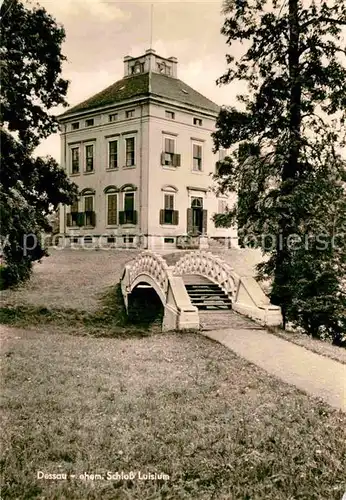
column 206, row 295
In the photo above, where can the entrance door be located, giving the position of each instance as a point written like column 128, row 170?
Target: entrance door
column 195, row 218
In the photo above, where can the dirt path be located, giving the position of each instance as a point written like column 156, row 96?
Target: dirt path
column 314, row 374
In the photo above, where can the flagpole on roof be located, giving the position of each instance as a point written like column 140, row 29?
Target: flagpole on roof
column 151, row 42
column 151, row 25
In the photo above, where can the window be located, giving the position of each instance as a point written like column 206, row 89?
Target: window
column 75, row 160
column 113, row 117
column 110, row 239
column 169, row 151
column 168, row 215
column 89, row 210
column 130, row 151
column 89, row 122
column 112, row 209
column 75, row 240
column 137, row 68
column 88, row 239
column 73, row 217
column 197, row 121
column 129, row 202
column 170, row 115
column 88, row 203
column 169, row 207
column 197, row 158
column 74, row 214
column 222, row 206
column 163, row 68
column 129, row 208
column 130, row 113
column 128, row 239
column 89, row 158
column 128, row 214
column 75, row 126
column 196, row 202
column 168, row 156
column 168, row 240
column 113, row 154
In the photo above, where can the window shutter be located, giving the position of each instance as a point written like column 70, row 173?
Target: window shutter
column 121, row 217
column 112, row 209
column 134, row 217
column 162, row 216
column 80, row 219
column 176, row 217
column 205, row 221
column 93, row 219
column 68, row 220
column 163, row 156
column 189, row 220
column 176, row 160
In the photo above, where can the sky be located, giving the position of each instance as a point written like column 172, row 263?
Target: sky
column 99, row 34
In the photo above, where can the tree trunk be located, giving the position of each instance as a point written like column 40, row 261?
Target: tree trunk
column 290, row 170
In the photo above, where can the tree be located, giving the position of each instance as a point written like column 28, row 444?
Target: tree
column 31, row 188
column 286, row 139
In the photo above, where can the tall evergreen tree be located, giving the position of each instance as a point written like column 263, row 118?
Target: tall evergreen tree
column 31, row 86
column 286, row 139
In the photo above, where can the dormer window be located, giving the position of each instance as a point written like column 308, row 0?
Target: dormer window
column 163, row 68
column 137, row 68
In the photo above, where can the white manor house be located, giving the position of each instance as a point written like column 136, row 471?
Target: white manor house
column 140, row 152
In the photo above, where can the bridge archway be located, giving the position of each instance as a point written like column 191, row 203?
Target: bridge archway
column 145, row 301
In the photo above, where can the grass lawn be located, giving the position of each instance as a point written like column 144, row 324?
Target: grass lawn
column 177, row 404
column 71, row 279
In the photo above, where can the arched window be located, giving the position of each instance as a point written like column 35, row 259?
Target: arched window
column 112, row 202
column 128, row 214
column 163, row 68
column 196, row 202
column 88, row 204
column 169, row 188
column 111, row 189
column 87, row 191
column 168, row 214
column 128, row 187
column 138, row 67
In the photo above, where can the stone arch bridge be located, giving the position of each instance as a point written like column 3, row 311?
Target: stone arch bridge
column 199, row 280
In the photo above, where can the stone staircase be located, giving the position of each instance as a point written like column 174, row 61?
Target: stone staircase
column 206, row 295
column 214, row 306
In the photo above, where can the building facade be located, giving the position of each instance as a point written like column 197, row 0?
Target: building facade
column 141, row 154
